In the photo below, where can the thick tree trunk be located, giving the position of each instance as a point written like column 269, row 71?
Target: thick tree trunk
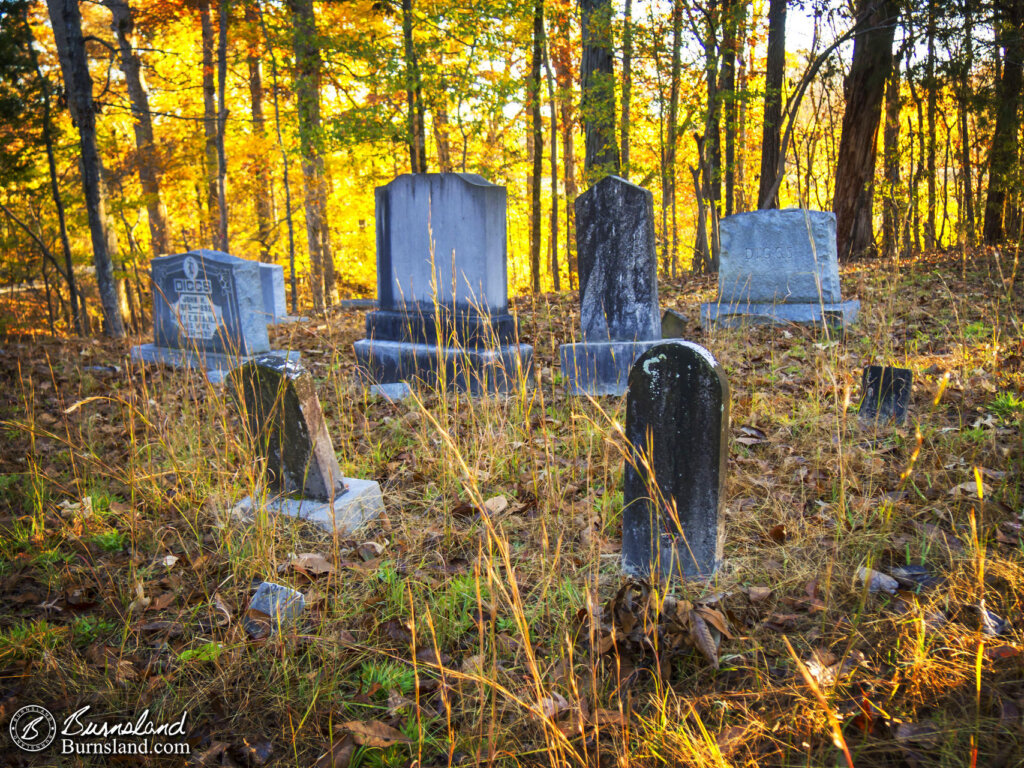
column 732, row 50
column 307, row 95
column 597, row 84
column 210, row 122
column 858, row 146
column 149, row 167
column 1003, row 156
column 771, row 138
column 627, row 84
column 441, row 127
column 67, row 26
column 262, row 199
column 413, row 93
column 891, row 159
column 537, row 142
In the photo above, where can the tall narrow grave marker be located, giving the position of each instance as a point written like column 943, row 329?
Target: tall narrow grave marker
column 677, row 422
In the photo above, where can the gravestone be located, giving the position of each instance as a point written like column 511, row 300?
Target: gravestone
column 208, row 313
column 284, row 418
column 885, row 394
column 677, row 426
column 273, row 606
column 619, row 317
column 442, row 296
column 779, row 267
column 275, row 303
column 673, row 324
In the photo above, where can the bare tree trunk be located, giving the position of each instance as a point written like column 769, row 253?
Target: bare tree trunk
column 556, row 278
column 223, row 19
column 891, row 159
column 307, row 94
column 561, row 60
column 444, row 151
column 597, row 83
column 1003, row 156
column 536, row 142
column 673, row 120
column 210, row 122
column 149, row 170
column 262, row 190
column 967, row 209
column 732, row 49
column 627, row 83
column 741, row 128
column 75, row 300
column 771, row 140
column 67, row 26
column 284, row 161
column 413, row 93
column 930, row 85
column 858, row 146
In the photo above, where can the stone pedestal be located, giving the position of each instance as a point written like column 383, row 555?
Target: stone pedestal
column 619, row 316
column 736, row 314
column 216, row 366
column 360, row 502
column 441, row 285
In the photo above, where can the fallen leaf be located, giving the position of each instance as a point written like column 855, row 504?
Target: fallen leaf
column 702, row 638
column 339, row 755
column 374, row 733
column 496, row 505
column 778, row 533
column 730, row 738
column 923, row 734
column 759, row 594
column 610, row 717
column 553, row 705
column 311, row 564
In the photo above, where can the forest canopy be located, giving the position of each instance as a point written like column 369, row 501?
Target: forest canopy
column 130, row 130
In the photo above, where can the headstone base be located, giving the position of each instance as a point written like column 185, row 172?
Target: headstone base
column 217, row 366
column 673, row 558
column 600, row 368
column 393, row 392
column 739, row 314
column 359, row 504
column 496, row 370
column 426, row 325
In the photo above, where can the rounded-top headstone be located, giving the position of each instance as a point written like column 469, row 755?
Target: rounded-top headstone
column 677, row 418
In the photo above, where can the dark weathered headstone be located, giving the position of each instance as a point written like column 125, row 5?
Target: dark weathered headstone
column 779, row 266
column 677, row 422
column 442, row 286
column 208, row 312
column 273, row 606
column 673, row 324
column 618, row 267
column 885, row 394
column 284, row 418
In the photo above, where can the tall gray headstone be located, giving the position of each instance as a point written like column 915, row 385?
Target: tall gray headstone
column 442, row 286
column 208, row 312
column 779, row 266
column 619, row 316
column 677, row 423
column 282, row 412
column 275, row 304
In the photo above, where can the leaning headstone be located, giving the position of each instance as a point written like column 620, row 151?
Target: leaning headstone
column 442, row 287
column 619, row 315
column 779, row 267
column 283, row 415
column 273, row 606
column 885, row 394
column 208, row 313
column 673, row 324
column 677, row 423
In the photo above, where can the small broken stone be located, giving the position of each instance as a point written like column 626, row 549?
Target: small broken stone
column 877, row 581
column 273, row 605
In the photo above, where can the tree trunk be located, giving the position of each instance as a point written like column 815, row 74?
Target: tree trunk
column 261, row 186
column 307, row 94
column 413, row 93
column 732, row 50
column 284, row 161
column 561, row 60
column 891, row 159
column 444, row 150
column 672, row 241
column 223, row 19
column 741, row 128
column 627, row 83
column 967, row 209
column 597, row 83
column 1003, row 156
column 556, row 278
column 771, row 139
column 210, row 123
column 67, row 26
column 149, row 169
column 537, row 142
column 75, row 299
column 930, row 85
column 858, row 145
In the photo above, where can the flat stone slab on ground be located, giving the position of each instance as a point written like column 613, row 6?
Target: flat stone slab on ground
column 714, row 314
column 216, row 366
column 361, row 502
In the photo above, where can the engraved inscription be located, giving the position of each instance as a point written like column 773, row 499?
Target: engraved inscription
column 194, row 311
